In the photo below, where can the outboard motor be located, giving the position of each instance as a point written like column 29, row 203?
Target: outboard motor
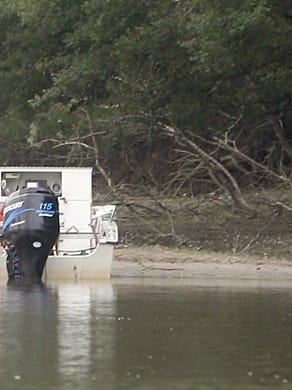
column 30, row 230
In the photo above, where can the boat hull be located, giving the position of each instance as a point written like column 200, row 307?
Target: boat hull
column 95, row 266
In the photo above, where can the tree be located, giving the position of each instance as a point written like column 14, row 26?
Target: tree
column 106, row 78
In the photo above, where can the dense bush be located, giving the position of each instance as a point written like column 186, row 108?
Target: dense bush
column 120, row 84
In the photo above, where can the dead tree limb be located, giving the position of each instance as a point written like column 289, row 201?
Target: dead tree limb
column 217, row 172
column 231, row 147
column 278, row 129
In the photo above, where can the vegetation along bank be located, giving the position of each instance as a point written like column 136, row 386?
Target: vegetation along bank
column 183, row 108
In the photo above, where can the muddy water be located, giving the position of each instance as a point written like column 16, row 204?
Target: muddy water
column 143, row 334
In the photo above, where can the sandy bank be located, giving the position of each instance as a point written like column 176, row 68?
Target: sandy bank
column 197, row 267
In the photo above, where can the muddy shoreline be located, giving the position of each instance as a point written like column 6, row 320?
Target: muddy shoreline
column 148, row 262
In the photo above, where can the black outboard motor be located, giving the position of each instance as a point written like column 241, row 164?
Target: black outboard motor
column 30, row 230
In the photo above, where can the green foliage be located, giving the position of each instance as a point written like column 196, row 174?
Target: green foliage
column 112, row 74
column 243, row 48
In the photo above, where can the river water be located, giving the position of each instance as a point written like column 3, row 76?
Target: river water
column 145, row 334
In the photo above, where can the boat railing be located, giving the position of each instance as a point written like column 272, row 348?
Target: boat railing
column 104, row 227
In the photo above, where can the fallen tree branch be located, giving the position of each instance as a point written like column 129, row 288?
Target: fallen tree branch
column 218, row 173
column 226, row 144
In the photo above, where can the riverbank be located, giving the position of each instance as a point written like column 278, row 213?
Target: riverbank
column 211, row 224
column 197, row 266
column 205, row 238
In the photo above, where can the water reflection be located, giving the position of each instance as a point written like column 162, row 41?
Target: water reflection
column 27, row 315
column 132, row 335
column 85, row 332
column 57, row 336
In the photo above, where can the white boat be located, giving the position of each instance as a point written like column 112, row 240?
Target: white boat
column 84, row 249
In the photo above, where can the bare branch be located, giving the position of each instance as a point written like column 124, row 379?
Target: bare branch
column 218, row 173
column 231, row 147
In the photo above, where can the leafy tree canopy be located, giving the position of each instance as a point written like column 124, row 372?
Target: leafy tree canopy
column 83, row 77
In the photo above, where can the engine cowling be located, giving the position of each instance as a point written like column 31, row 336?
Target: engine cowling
column 30, row 230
